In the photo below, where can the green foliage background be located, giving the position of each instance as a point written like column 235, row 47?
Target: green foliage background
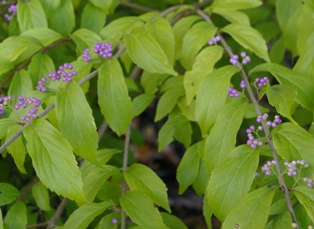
column 76, row 157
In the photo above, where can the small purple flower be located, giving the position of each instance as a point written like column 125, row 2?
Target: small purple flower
column 233, row 93
column 214, row 40
column 261, row 81
column 114, row 220
column 25, row 102
column 242, row 84
column 234, row 59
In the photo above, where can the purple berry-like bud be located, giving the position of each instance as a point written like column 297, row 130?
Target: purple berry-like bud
column 242, row 84
column 243, row 54
column 114, row 220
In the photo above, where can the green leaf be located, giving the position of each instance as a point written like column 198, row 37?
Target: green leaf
column 193, row 42
column 18, row 49
column 8, row 193
column 235, row 4
column 96, row 22
column 277, row 51
column 172, row 221
column 113, row 97
column 104, row 155
column 141, row 102
column 141, row 210
column 302, row 82
column 145, row 51
column 169, row 99
column 5, row 65
column 150, row 81
column 294, row 143
column 117, row 28
column 249, row 38
column 282, row 221
column 1, row 221
column 211, row 96
column 50, row 6
column 108, row 6
column 31, row 15
column 180, row 29
column 53, row 160
column 161, row 31
column 306, row 203
column 20, row 85
column 252, row 211
column 233, row 16
column 200, row 185
column 140, row 177
column 226, row 186
column 187, row 171
column 305, row 61
column 17, row 148
column 207, row 212
column 84, row 38
column 305, row 29
column 288, row 12
column 41, row 65
column 16, row 216
column 63, row 18
column 222, row 138
column 94, row 177
column 177, row 127
column 282, row 97
column 41, row 196
column 85, row 214
column 203, row 65
column 44, row 35
column 106, row 222
column 5, row 125
column 76, row 121
column 306, row 191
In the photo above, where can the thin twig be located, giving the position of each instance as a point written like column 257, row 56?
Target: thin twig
column 259, row 113
column 124, row 168
column 56, row 216
column 29, row 188
column 38, row 225
column 135, row 6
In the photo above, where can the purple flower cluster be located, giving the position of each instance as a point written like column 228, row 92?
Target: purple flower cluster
column 64, row 72
column 25, row 102
column 242, row 84
column 4, row 102
column 11, row 12
column 233, row 93
column 309, row 182
column 261, row 81
column 292, row 169
column 234, row 59
column 102, row 49
column 245, row 59
column 251, row 139
column 214, row 40
column 86, row 56
column 273, row 124
column 266, row 168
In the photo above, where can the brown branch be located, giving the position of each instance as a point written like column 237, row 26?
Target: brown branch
column 52, row 222
column 137, row 7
